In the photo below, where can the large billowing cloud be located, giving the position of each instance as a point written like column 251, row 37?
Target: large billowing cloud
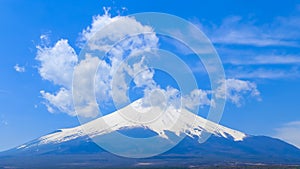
column 59, row 62
column 57, row 65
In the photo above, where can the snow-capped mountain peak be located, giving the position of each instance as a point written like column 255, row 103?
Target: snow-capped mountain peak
column 156, row 119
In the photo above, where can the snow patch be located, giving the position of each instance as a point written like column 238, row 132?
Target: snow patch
column 22, row 146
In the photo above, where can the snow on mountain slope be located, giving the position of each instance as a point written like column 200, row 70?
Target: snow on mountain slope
column 135, row 115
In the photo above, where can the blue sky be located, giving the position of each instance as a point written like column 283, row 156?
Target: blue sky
column 258, row 42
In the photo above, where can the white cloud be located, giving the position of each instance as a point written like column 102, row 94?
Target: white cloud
column 57, row 63
column 61, row 101
column 85, row 102
column 112, row 80
column 289, row 132
column 138, row 71
column 283, row 31
column 114, row 29
column 197, row 98
column 143, row 75
column 236, row 89
column 235, row 58
column 103, row 80
column 275, row 59
column 158, row 97
column 98, row 23
column 264, row 73
column 135, row 39
column 267, row 64
column 18, row 68
column 258, row 47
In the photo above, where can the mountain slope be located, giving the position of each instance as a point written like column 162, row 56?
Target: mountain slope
column 172, row 121
column 225, row 146
column 84, row 153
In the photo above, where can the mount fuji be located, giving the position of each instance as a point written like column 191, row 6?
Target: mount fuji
column 76, row 147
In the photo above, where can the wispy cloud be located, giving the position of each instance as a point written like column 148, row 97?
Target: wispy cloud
column 261, row 63
column 236, row 30
column 20, row 69
column 289, row 132
column 236, row 90
column 253, row 49
column 264, row 60
column 263, row 73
